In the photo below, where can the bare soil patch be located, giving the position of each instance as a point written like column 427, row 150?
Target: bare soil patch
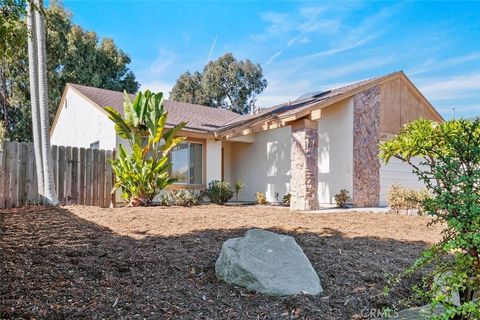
column 158, row 263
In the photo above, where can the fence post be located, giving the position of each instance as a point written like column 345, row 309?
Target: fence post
column 61, row 175
column 5, row 187
column 74, row 175
column 95, row 177
column 22, row 174
column 88, row 177
column 14, row 174
column 55, row 167
column 81, row 168
column 101, row 178
column 108, row 180
column 68, row 175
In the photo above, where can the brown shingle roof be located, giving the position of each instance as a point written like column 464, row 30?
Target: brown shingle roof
column 209, row 120
column 199, row 118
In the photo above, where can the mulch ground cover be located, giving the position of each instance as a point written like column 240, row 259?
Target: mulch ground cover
column 89, row 263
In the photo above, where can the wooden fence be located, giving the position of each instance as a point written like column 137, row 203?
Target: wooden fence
column 82, row 176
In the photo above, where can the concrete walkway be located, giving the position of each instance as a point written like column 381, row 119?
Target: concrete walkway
column 337, row 210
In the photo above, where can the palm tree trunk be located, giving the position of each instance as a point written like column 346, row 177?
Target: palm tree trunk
column 48, row 182
column 33, row 71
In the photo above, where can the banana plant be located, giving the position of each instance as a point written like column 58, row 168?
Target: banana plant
column 144, row 171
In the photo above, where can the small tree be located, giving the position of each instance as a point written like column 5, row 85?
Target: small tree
column 238, row 187
column 449, row 166
column 144, row 171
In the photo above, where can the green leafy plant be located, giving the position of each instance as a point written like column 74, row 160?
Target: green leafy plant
column 342, row 198
column 144, row 171
column 260, row 198
column 286, row 199
column 238, row 187
column 449, row 155
column 219, row 192
column 401, row 197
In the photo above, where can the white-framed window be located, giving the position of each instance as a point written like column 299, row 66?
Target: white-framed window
column 187, row 163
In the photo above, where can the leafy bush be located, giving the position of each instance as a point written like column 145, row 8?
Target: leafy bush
column 260, row 198
column 143, row 172
column 286, row 199
column 450, row 169
column 401, row 197
column 183, row 198
column 342, row 198
column 219, row 192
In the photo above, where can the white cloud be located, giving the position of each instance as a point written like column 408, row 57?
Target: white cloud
column 162, row 63
column 431, row 64
column 455, row 87
column 308, row 80
column 266, row 101
column 278, row 22
column 158, row 86
column 274, row 56
column 345, row 46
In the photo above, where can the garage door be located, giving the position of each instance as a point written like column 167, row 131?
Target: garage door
column 396, row 172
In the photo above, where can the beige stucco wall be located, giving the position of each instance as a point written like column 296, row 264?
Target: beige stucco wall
column 80, row 124
column 335, row 130
column 227, row 162
column 264, row 166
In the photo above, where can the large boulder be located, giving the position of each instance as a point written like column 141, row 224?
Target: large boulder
column 269, row 263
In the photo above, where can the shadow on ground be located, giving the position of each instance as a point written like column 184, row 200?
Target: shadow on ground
column 56, row 265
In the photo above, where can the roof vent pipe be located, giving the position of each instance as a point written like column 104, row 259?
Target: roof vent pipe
column 254, row 109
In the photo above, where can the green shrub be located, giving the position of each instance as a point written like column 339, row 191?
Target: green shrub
column 449, row 154
column 260, row 198
column 404, row 198
column 144, row 171
column 219, row 192
column 183, row 198
column 166, row 199
column 186, row 198
column 286, row 199
column 342, row 198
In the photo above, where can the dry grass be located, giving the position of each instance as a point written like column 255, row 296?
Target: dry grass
column 168, row 221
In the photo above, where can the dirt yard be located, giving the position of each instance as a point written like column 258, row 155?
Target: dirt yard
column 158, row 263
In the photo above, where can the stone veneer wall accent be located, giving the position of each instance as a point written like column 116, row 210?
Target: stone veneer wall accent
column 304, row 169
column 366, row 137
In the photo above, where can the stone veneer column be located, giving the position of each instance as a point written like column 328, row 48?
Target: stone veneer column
column 304, row 167
column 366, row 137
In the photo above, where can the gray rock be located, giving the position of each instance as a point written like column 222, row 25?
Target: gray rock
column 268, row 263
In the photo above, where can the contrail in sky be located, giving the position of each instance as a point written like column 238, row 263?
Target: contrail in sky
column 213, row 47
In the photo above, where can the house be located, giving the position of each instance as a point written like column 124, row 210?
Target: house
column 311, row 147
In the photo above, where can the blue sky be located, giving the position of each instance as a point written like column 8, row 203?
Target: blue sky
column 302, row 46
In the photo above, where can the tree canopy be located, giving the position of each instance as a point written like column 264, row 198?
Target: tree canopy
column 224, row 83
column 73, row 55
